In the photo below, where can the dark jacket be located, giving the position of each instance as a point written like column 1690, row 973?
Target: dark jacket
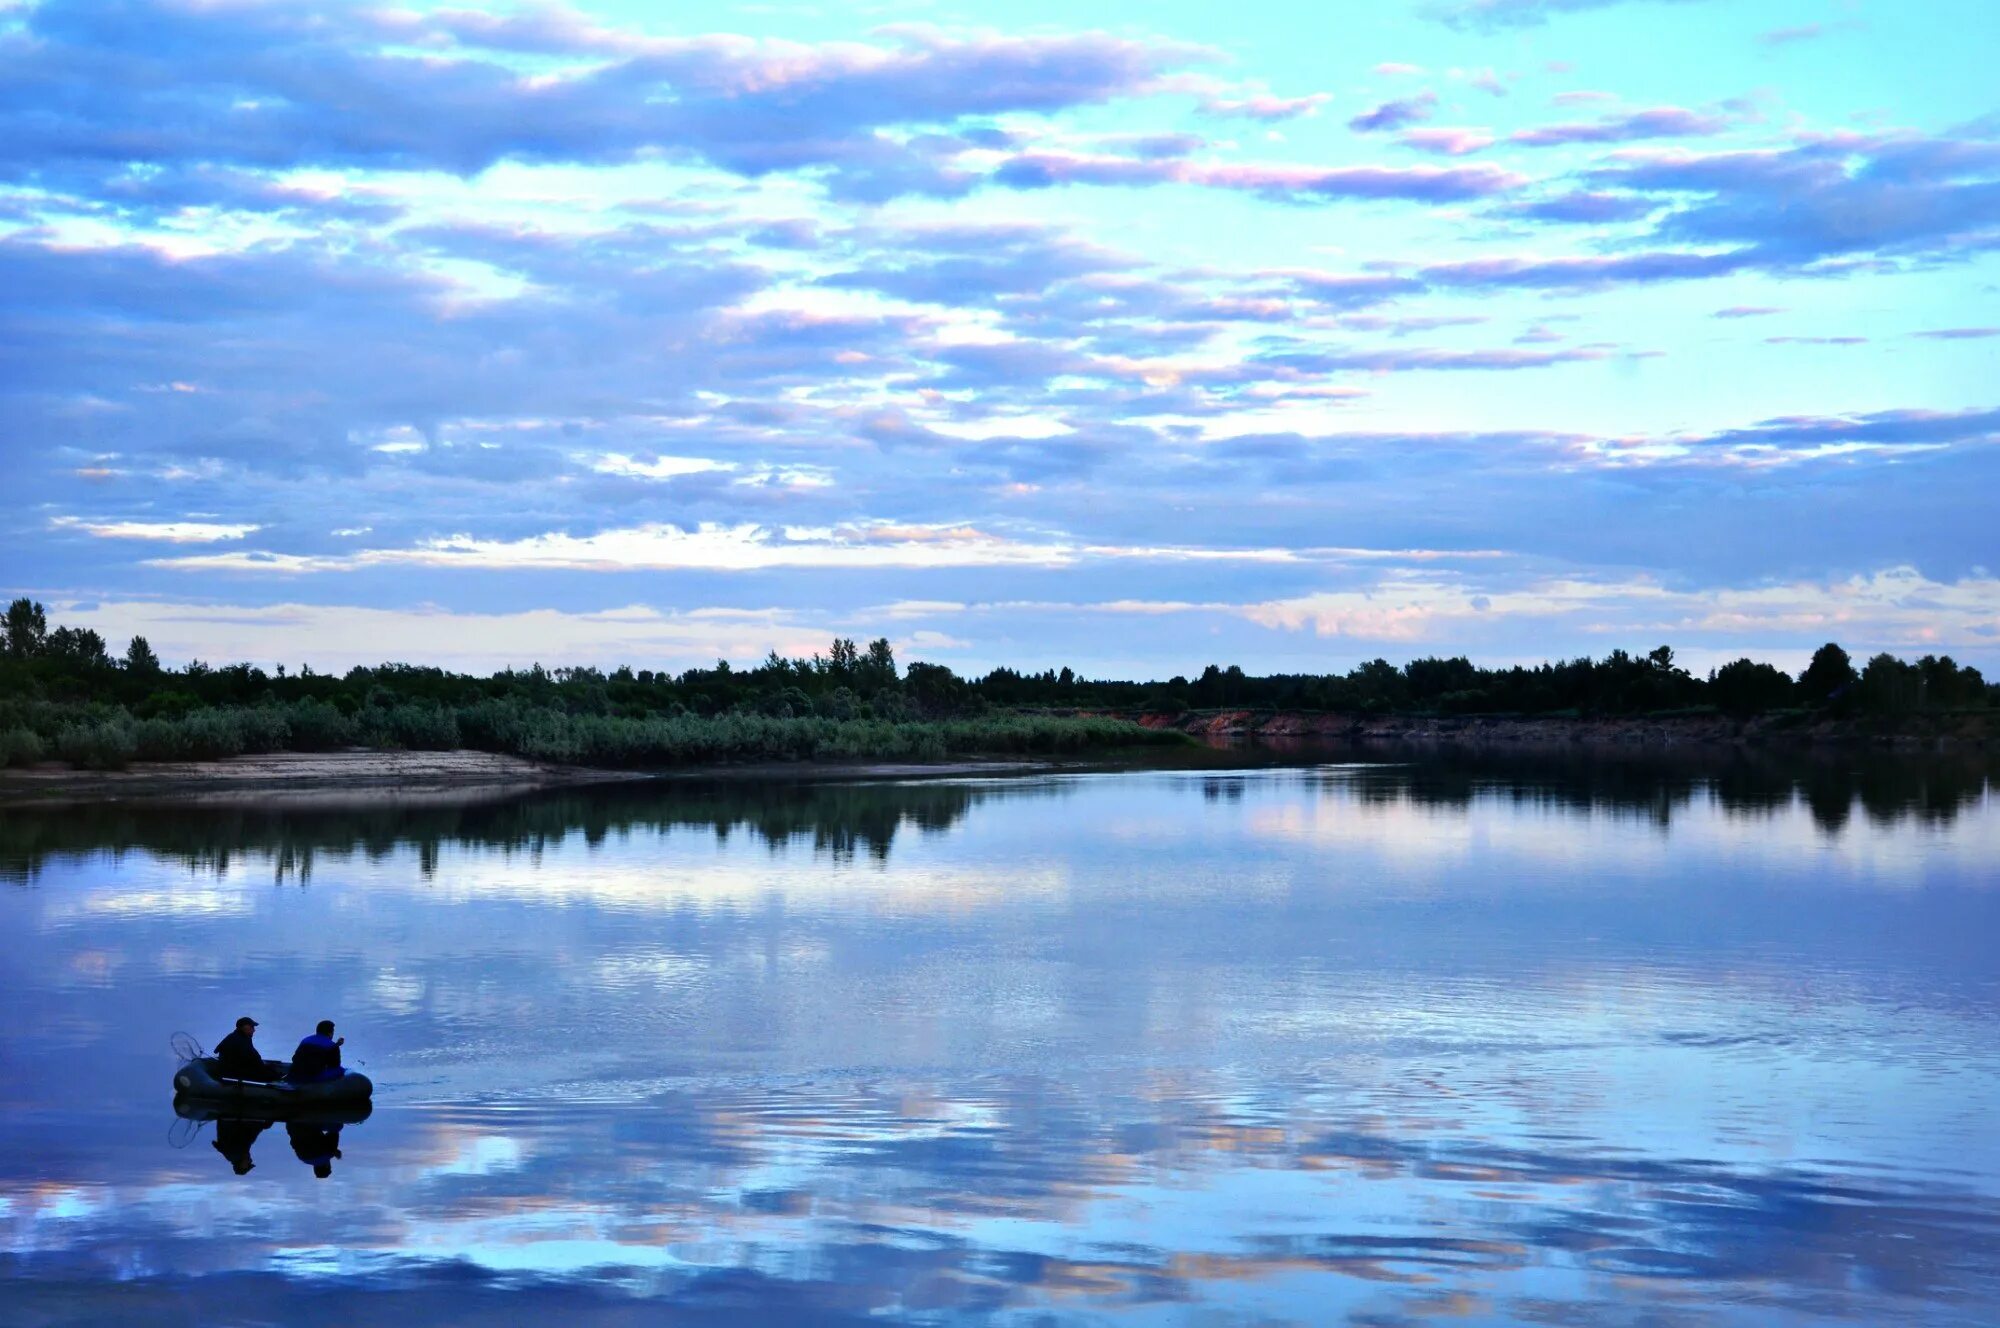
column 317, row 1058
column 239, row 1057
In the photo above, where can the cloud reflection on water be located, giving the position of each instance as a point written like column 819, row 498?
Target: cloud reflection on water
column 1290, row 1044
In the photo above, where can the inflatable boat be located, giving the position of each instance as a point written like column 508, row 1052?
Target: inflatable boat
column 203, row 1078
column 350, row 1112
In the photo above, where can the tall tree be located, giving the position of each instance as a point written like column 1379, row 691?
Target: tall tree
column 878, row 666
column 1830, row 673
column 26, row 629
column 140, row 659
column 77, row 645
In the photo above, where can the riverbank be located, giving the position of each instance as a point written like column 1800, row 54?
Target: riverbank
column 1940, row 732
column 299, row 779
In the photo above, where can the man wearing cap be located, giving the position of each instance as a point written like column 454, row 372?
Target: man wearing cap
column 237, row 1054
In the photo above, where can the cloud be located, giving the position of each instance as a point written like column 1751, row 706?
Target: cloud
column 1263, row 106
column 1285, row 183
column 1447, row 142
column 717, row 548
column 270, row 87
column 1583, row 273
column 1894, row 427
column 1782, row 211
column 1656, row 122
column 164, row 532
column 1959, row 333
column 1494, row 15
column 529, row 295
column 1586, row 207
column 1431, row 358
column 1747, row 311
column 1893, row 607
column 970, row 263
column 1825, row 198
column 1583, row 97
column 1397, row 114
column 342, row 636
column 655, row 468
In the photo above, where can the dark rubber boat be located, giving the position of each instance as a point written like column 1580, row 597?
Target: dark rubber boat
column 289, row 1113
column 202, row 1078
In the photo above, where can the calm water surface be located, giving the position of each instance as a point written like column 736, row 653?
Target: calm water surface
column 1347, row 1043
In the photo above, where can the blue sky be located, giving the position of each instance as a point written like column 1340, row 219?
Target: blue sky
column 1288, row 335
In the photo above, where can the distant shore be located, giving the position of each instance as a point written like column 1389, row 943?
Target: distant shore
column 1935, row 732
column 305, row 778
column 302, row 778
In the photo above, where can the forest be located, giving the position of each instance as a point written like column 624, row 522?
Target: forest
column 65, row 696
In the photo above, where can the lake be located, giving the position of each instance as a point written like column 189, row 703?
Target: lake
column 1492, row 1040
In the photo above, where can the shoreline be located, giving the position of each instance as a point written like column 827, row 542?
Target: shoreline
column 1967, row 732
column 301, row 779
column 1224, row 737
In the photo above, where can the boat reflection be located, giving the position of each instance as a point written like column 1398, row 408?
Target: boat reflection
column 313, row 1130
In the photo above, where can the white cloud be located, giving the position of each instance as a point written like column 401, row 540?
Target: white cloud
column 658, row 468
column 335, row 636
column 1897, row 608
column 726, row 548
column 165, row 532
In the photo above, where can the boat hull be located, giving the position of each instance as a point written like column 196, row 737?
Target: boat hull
column 288, row 1113
column 203, row 1080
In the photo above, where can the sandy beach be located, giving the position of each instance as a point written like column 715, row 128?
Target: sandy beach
column 307, row 778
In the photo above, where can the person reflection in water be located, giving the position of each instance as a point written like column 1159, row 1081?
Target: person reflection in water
column 317, row 1058
column 233, row 1139
column 315, row 1145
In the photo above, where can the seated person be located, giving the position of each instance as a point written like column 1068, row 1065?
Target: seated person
column 317, row 1058
column 237, row 1055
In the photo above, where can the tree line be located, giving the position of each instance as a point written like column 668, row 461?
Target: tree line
column 65, row 680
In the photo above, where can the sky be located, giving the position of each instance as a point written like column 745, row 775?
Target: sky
column 1127, row 338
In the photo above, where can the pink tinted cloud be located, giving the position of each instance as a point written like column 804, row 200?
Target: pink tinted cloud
column 1395, row 114
column 1421, row 183
column 1263, row 106
column 1447, row 142
column 1656, row 122
column 1960, row 333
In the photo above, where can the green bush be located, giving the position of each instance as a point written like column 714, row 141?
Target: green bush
column 203, row 735
column 107, row 745
column 317, row 726
column 102, row 737
column 423, row 728
column 20, row 746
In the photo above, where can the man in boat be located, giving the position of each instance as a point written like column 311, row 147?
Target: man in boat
column 237, row 1054
column 317, row 1059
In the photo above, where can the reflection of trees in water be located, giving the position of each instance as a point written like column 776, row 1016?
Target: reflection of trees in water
column 845, row 820
column 1886, row 788
column 840, row 820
